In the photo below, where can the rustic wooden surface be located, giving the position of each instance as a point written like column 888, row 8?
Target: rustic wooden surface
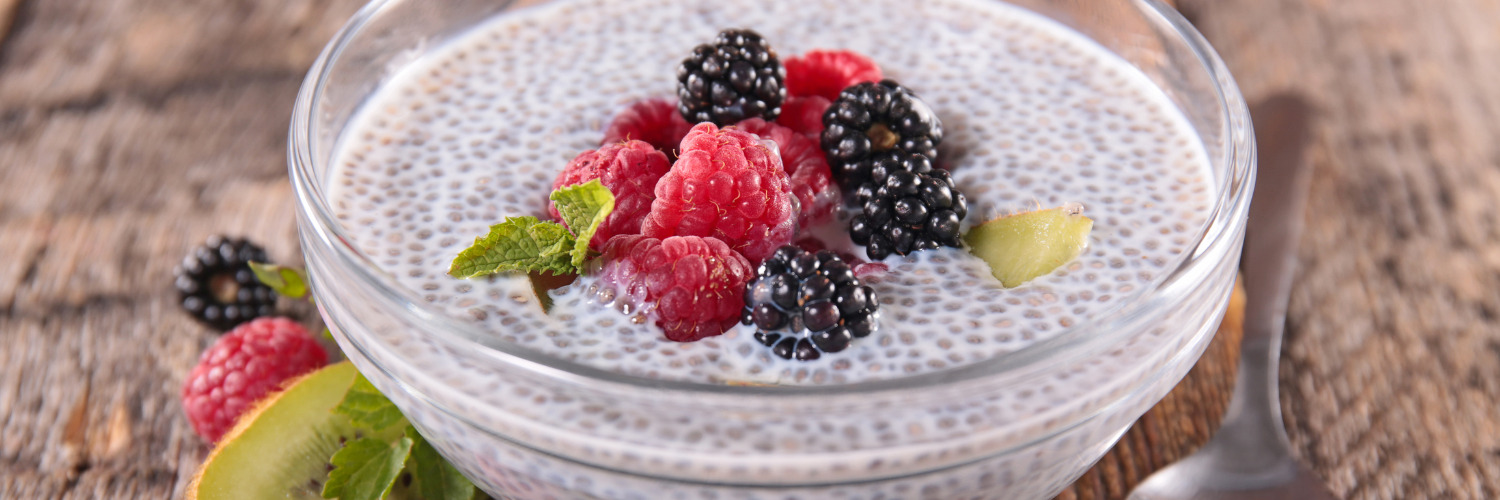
column 132, row 129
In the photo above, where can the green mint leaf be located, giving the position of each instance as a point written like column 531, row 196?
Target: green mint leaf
column 328, row 335
column 284, row 280
column 367, row 408
column 584, row 207
column 436, row 478
column 366, row 468
column 517, row 244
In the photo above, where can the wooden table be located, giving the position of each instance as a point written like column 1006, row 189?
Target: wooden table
column 132, row 129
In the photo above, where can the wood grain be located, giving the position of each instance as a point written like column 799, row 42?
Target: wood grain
column 132, row 129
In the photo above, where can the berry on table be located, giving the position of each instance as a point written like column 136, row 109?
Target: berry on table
column 826, row 73
column 691, row 286
column 242, row 367
column 811, row 181
column 911, row 211
column 655, row 121
column 873, row 118
column 804, row 304
column 729, row 185
column 629, row 170
column 736, row 77
column 216, row 286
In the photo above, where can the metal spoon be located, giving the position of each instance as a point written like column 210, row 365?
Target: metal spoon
column 1250, row 457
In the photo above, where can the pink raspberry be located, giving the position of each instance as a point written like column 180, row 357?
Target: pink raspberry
column 655, row 121
column 630, row 170
column 729, row 185
column 696, row 284
column 246, row 364
column 827, row 72
column 804, row 114
column 811, row 180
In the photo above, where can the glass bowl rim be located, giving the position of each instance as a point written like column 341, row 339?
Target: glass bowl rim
column 1225, row 222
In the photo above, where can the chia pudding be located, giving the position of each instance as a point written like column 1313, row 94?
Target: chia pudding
column 1034, row 115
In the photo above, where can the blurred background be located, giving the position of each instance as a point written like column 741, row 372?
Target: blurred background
column 130, row 130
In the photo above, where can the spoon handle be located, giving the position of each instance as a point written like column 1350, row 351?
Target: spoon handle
column 1270, row 257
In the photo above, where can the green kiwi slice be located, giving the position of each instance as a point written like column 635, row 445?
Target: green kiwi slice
column 1021, row 247
column 280, row 448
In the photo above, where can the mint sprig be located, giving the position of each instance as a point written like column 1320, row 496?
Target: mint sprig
column 527, row 244
column 287, row 281
column 436, row 478
column 583, row 208
column 366, row 468
column 367, row 408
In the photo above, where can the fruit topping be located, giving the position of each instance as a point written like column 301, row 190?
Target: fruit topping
column 691, row 286
column 1021, row 247
column 630, row 170
column 811, row 182
column 804, row 114
column 244, row 365
column 872, row 118
column 216, row 285
column 826, row 73
column 736, row 77
column 874, row 171
column 804, row 304
column 727, row 184
column 911, row 211
column 655, row 121
column 528, row 244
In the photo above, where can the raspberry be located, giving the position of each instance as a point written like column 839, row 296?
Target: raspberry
column 735, row 78
column 804, row 114
column 655, row 121
column 691, row 286
column 215, row 284
column 804, row 303
column 825, row 73
column 729, row 185
column 243, row 366
column 869, row 119
column 630, row 170
column 910, row 212
column 811, row 181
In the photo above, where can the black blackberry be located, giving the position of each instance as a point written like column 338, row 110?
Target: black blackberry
column 869, row 119
column 877, row 167
column 215, row 283
column 911, row 211
column 804, row 304
column 735, row 78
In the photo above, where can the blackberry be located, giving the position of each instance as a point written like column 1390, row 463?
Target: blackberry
column 735, row 78
column 216, row 286
column 870, row 119
column 910, row 211
column 804, row 304
column 879, row 166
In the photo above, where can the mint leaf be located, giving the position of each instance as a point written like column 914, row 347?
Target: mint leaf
column 366, row 468
column 284, row 280
column 436, row 478
column 517, row 244
column 584, row 207
column 367, row 408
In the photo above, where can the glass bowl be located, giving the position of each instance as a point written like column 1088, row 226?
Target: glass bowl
column 526, row 425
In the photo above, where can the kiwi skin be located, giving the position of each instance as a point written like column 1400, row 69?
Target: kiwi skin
column 289, row 432
column 1026, row 245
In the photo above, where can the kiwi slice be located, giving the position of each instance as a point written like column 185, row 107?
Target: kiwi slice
column 281, row 446
column 1021, row 247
